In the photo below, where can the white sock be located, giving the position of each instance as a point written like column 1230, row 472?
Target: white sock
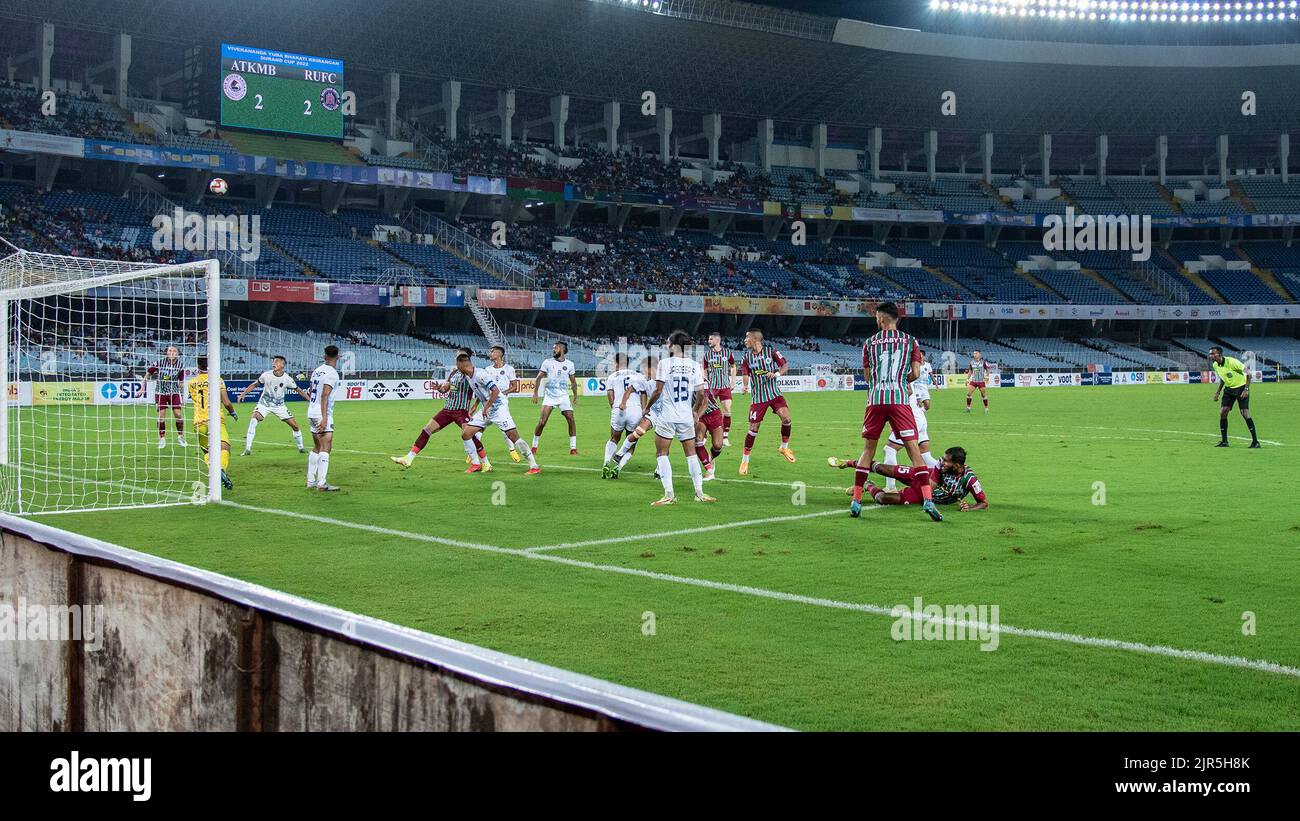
column 522, row 446
column 297, row 438
column 891, row 458
column 610, row 447
column 509, row 444
column 929, row 459
column 248, row 437
column 470, row 451
column 322, row 469
column 573, row 443
column 313, row 460
column 626, row 455
column 666, row 475
column 697, row 474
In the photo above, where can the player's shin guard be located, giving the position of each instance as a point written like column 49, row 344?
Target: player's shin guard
column 891, row 458
column 666, row 474
column 697, row 475
column 522, row 447
column 313, row 462
column 322, row 469
column 248, row 437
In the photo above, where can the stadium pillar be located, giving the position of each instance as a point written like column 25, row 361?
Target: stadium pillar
column 766, row 131
column 819, row 149
column 664, row 128
column 1224, row 174
column 712, row 133
column 613, row 119
column 1284, row 156
column 1103, row 151
column 874, row 142
column 931, row 153
column 392, row 91
column 46, row 49
column 1162, row 156
column 451, row 106
column 559, row 117
column 986, row 148
column 1045, row 154
column 506, row 114
column 121, row 66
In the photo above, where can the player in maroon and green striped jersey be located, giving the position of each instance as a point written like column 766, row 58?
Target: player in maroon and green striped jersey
column 169, row 373
column 953, row 483
column 709, row 424
column 891, row 361
column 455, row 411
column 761, row 366
column 720, row 371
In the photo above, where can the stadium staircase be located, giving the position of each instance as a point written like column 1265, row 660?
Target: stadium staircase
column 1038, row 283
column 1195, row 279
column 1105, row 283
column 307, row 270
column 469, row 248
column 1239, row 195
column 1168, row 196
column 1265, row 276
column 947, row 280
column 486, row 322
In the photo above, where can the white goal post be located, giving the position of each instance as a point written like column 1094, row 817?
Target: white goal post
column 81, row 341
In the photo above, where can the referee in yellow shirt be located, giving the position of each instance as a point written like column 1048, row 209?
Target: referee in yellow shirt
column 1234, row 384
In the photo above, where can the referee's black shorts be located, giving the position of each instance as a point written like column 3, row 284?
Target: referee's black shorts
column 1233, row 395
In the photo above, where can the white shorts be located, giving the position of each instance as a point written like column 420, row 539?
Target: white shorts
column 278, row 411
column 501, row 418
column 922, row 429
column 560, row 403
column 681, row 431
column 625, row 421
column 313, row 421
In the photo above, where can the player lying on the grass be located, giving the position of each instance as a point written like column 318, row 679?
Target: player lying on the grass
column 709, row 424
column 720, row 370
column 560, row 376
column 201, row 399
column 489, row 408
column 761, row 366
column 679, row 383
column 503, row 374
column 1234, row 382
column 955, row 482
column 169, row 372
column 920, row 404
column 977, row 378
column 320, row 416
column 623, row 417
column 891, row 362
column 455, row 411
column 275, row 384
column 635, row 395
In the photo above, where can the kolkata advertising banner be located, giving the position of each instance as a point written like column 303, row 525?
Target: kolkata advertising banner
column 511, row 300
column 42, row 143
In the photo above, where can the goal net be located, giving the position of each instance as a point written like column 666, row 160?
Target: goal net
column 84, row 350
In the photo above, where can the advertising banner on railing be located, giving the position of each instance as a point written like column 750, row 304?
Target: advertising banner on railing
column 266, row 290
column 511, row 300
column 349, row 293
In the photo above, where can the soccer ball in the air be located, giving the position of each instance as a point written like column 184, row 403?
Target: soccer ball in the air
column 302, row 377
column 218, row 186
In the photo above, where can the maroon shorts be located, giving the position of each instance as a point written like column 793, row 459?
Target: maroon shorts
column 446, row 418
column 712, row 420
column 977, row 384
column 911, row 496
column 168, row 400
column 759, row 409
column 721, row 393
column 899, row 417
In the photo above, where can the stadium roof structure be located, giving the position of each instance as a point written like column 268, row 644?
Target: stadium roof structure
column 741, row 60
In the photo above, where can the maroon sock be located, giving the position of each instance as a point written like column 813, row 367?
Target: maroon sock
column 478, row 446
column 921, row 480
column 420, row 441
column 986, row 401
column 872, row 491
column 968, row 401
column 726, row 424
column 859, row 479
column 715, row 452
column 785, row 433
column 162, row 429
column 180, row 426
column 704, row 456
column 749, row 441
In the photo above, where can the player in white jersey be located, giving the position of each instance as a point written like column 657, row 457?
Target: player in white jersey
column 920, row 402
column 489, row 408
column 679, row 383
column 635, row 395
column 320, row 415
column 623, row 418
column 503, row 373
column 560, row 376
column 275, row 384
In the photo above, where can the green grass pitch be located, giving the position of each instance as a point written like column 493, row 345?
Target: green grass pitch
column 768, row 620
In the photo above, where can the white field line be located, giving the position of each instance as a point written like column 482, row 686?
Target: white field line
column 1002, row 431
column 813, row 601
column 703, row 529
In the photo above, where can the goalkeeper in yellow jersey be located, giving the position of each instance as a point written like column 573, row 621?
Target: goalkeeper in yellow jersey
column 200, row 398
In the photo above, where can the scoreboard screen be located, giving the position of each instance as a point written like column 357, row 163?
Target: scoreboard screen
column 277, row 91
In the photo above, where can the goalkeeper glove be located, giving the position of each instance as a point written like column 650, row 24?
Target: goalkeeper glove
column 233, row 415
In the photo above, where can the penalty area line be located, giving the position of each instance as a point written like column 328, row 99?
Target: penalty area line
column 667, row 534
column 1258, row 665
